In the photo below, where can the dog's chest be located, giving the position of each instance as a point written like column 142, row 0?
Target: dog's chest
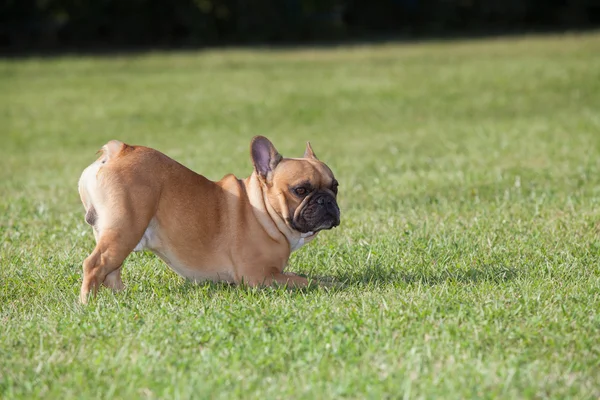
column 304, row 238
column 299, row 243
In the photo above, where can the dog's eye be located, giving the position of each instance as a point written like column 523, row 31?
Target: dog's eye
column 334, row 187
column 301, row 191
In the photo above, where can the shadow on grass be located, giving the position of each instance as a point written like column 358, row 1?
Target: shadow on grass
column 215, row 287
column 369, row 276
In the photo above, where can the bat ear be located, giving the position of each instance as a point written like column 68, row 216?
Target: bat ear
column 309, row 153
column 265, row 156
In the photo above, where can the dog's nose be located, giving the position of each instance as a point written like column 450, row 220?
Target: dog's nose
column 324, row 200
column 336, row 221
column 333, row 210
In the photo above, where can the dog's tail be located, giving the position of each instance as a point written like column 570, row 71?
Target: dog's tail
column 110, row 150
column 87, row 182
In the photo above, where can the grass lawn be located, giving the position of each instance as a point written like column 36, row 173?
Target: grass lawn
column 470, row 193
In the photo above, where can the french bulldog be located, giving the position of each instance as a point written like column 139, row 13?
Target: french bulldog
column 234, row 230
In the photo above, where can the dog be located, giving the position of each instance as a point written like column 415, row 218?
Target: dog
column 234, row 230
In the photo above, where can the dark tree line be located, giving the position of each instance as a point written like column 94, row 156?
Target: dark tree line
column 39, row 24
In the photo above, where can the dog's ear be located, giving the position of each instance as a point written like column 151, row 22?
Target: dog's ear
column 309, row 153
column 264, row 157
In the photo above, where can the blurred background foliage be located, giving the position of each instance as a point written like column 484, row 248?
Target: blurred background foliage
column 51, row 24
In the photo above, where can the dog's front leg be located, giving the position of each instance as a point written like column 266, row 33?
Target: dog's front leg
column 286, row 279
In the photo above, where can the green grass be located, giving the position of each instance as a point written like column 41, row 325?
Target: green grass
column 470, row 193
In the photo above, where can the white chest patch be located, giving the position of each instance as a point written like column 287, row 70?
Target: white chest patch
column 295, row 246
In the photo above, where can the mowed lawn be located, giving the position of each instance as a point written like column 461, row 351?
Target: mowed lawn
column 469, row 246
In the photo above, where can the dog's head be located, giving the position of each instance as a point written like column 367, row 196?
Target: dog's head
column 302, row 191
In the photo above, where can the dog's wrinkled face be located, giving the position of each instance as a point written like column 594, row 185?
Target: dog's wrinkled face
column 308, row 189
column 302, row 191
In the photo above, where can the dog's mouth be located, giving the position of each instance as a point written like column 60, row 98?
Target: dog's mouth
column 326, row 225
column 317, row 213
column 312, row 231
column 303, row 232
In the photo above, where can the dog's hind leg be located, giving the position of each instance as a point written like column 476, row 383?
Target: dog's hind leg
column 114, row 281
column 103, row 265
column 119, row 208
column 118, row 231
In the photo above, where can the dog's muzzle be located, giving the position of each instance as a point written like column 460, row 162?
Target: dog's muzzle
column 321, row 212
